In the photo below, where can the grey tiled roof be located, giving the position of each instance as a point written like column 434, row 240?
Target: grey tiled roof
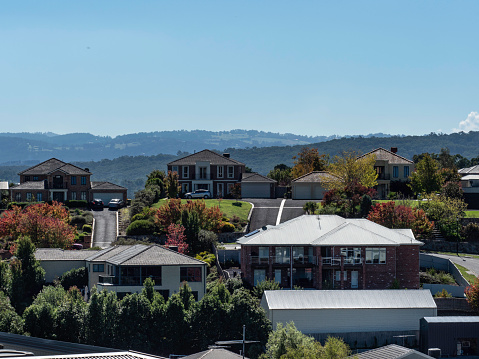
column 391, row 351
column 256, row 177
column 385, row 155
column 216, row 353
column 205, row 155
column 106, row 186
column 140, row 254
column 32, row 185
column 52, row 165
column 315, row 176
column 56, row 254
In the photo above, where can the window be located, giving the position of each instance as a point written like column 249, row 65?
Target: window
column 338, row 276
column 345, row 276
column 186, row 171
column 277, row 276
column 231, row 172
column 153, row 272
column 35, row 178
column 98, row 268
column 263, row 254
column 219, row 190
column 282, row 255
column 395, row 171
column 73, row 180
column 83, row 196
column 351, row 255
column 190, row 274
column 18, row 197
column 29, row 196
column 83, row 180
column 39, row 197
column 73, row 196
column 203, row 172
column 259, row 276
column 174, row 169
column 27, row 178
column 220, row 171
column 406, row 171
column 376, row 255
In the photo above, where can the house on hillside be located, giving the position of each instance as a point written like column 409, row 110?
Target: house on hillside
column 123, row 269
column 362, row 318
column 208, row 170
column 331, row 252
column 390, row 168
column 55, row 180
column 470, row 186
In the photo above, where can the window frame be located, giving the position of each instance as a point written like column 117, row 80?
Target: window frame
column 83, row 180
column 406, row 169
column 39, row 197
column 376, row 252
column 73, row 180
column 185, row 172
column 232, row 174
column 395, row 171
column 96, row 268
column 220, row 170
column 187, row 274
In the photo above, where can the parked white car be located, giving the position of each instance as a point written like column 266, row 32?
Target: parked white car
column 199, row 193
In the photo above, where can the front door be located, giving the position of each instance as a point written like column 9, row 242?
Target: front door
column 354, row 279
column 58, row 196
column 219, row 190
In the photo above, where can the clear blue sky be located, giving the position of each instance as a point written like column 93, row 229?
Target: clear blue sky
column 305, row 67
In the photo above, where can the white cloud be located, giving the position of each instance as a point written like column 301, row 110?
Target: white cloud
column 471, row 123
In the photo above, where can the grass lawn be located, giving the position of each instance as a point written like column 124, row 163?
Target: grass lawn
column 226, row 206
column 469, row 277
column 472, row 214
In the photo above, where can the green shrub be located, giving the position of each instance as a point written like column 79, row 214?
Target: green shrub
column 443, row 294
column 86, row 228
column 227, row 227
column 207, row 257
column 78, row 221
column 471, row 232
column 76, row 277
column 76, row 203
column 142, row 217
column 88, row 217
column 141, row 227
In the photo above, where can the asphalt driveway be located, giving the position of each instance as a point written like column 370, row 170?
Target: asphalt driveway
column 273, row 211
column 105, row 230
column 465, row 260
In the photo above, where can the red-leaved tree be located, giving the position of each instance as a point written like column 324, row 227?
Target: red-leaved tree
column 45, row 224
column 472, row 295
column 176, row 237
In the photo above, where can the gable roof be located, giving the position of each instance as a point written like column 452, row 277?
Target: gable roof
column 52, row 165
column 141, row 254
column 106, row 186
column 391, row 351
column 206, row 156
column 315, row 176
column 348, row 299
column 256, row 177
column 329, row 230
column 474, row 170
column 385, row 155
column 216, row 353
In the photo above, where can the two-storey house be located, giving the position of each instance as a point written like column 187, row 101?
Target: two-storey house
column 331, row 252
column 208, row 170
column 55, row 180
column 390, row 167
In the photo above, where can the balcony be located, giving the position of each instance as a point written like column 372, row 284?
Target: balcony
column 304, row 260
column 352, row 261
column 331, row 261
column 200, row 177
column 256, row 260
column 259, row 260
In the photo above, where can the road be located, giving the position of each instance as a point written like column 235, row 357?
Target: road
column 266, row 211
column 105, row 228
column 471, row 263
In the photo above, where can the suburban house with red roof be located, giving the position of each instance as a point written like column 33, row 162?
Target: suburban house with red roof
column 55, row 180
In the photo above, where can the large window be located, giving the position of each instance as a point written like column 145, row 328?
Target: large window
column 351, row 255
column 29, row 196
column 83, row 180
column 406, row 171
column 153, row 272
column 376, row 255
column 259, row 276
column 98, row 268
column 220, row 171
column 190, row 274
column 39, row 197
column 282, row 255
column 18, row 197
column 203, row 172
column 73, row 180
column 74, row 196
column 35, row 178
column 174, row 169
column 395, row 171
column 83, row 196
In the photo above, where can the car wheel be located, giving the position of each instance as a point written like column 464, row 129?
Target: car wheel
column 189, row 197
column 206, row 197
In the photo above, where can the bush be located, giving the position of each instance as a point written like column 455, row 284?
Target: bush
column 142, row 217
column 76, row 277
column 76, row 204
column 141, row 227
column 227, row 227
column 78, row 221
column 207, row 239
column 207, row 257
column 471, row 232
column 86, row 228
column 88, row 217
column 443, row 294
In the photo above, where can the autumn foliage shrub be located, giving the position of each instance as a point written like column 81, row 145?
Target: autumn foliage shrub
column 227, row 227
column 472, row 295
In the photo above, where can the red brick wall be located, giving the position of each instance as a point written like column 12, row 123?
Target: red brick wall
column 408, row 266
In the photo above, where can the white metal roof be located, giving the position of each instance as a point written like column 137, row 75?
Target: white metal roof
column 470, row 177
column 455, row 319
column 329, row 230
column 348, row 299
column 3, row 185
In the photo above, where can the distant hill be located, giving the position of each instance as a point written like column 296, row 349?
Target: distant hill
column 131, row 171
column 27, row 148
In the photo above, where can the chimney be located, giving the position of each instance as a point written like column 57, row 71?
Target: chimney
column 227, row 155
column 394, row 149
column 87, row 169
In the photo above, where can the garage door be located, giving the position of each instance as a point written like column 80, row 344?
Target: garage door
column 318, row 192
column 301, row 191
column 107, row 197
column 255, row 190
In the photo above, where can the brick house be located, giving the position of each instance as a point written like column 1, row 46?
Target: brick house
column 55, row 180
column 390, row 167
column 331, row 252
column 208, row 170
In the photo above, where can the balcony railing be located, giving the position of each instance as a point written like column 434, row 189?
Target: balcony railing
column 304, row 259
column 203, row 177
column 384, row 176
column 259, row 260
column 351, row 260
column 283, row 260
column 336, row 261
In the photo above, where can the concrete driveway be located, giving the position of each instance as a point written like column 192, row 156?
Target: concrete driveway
column 105, row 230
column 274, row 211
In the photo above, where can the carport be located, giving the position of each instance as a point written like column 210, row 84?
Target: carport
column 106, row 191
column 254, row 185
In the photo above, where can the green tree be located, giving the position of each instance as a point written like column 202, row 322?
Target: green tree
column 10, row 321
column 172, row 185
column 33, row 274
column 76, row 277
column 310, row 207
column 266, row 284
column 286, row 338
column 426, row 178
column 135, row 319
column 308, row 160
column 70, row 317
column 282, row 174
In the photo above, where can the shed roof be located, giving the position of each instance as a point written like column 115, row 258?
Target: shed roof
column 391, row 351
column 100, row 186
column 385, row 155
column 315, row 177
column 52, row 165
column 348, row 299
column 140, row 254
column 456, row 319
column 327, row 230
column 206, row 156
column 256, row 177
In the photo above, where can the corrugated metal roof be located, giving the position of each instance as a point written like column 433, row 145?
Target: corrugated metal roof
column 457, row 319
column 470, row 177
column 328, row 230
column 56, row 254
column 348, row 299
column 471, row 170
column 391, row 351
column 112, row 355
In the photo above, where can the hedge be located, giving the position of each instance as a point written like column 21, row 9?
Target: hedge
column 141, row 227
